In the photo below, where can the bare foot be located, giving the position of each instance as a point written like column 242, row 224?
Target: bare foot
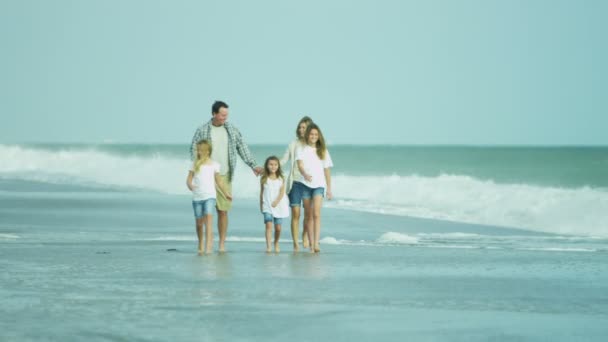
column 268, row 250
column 277, row 249
column 222, row 249
column 317, row 249
column 296, row 247
column 305, row 243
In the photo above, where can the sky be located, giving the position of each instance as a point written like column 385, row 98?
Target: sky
column 473, row 72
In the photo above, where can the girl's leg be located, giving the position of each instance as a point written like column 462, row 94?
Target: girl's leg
column 308, row 221
column 209, row 232
column 268, row 236
column 295, row 227
column 316, row 214
column 277, row 236
column 199, row 234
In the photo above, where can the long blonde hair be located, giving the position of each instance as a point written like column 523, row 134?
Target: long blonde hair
column 205, row 145
column 321, row 148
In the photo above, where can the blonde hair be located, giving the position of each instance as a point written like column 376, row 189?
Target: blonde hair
column 200, row 160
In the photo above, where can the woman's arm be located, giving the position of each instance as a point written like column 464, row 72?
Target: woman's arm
column 286, row 156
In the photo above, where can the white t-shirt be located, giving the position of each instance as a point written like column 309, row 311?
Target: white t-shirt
column 219, row 144
column 313, row 166
column 204, row 181
column 272, row 189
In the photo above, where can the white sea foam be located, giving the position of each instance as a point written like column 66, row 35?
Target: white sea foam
column 572, row 211
column 397, row 238
column 558, row 249
column 402, row 240
column 172, row 238
column 449, row 236
column 331, row 241
column 245, row 239
column 193, row 238
column 9, row 236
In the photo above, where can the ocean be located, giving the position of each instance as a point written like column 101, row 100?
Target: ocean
column 420, row 243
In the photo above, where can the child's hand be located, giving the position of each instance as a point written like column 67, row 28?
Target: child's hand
column 308, row 178
column 329, row 195
column 229, row 197
column 274, row 204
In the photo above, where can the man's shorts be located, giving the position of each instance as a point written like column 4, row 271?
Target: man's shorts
column 223, row 204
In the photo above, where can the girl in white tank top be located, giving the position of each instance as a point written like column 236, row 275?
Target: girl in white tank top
column 273, row 201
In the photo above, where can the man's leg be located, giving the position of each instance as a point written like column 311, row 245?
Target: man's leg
column 222, row 227
column 223, row 205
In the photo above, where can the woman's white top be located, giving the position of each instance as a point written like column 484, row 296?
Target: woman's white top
column 272, row 189
column 203, row 181
column 313, row 166
column 290, row 156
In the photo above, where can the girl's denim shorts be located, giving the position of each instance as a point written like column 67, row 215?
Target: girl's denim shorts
column 269, row 218
column 203, row 208
column 300, row 191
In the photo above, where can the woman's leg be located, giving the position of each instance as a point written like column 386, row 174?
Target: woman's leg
column 295, row 227
column 317, row 201
column 305, row 242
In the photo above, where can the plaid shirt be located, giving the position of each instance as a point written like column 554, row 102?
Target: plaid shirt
column 235, row 145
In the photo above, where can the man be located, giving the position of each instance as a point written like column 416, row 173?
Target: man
column 226, row 142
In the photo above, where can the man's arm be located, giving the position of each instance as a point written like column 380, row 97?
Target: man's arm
column 244, row 152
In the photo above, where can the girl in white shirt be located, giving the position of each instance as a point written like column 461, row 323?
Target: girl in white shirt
column 294, row 201
column 273, row 202
column 314, row 163
column 202, row 179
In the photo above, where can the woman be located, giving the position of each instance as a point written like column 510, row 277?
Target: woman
column 295, row 199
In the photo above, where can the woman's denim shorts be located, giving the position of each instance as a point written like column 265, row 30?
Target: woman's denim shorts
column 300, row 192
column 268, row 218
column 203, row 208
